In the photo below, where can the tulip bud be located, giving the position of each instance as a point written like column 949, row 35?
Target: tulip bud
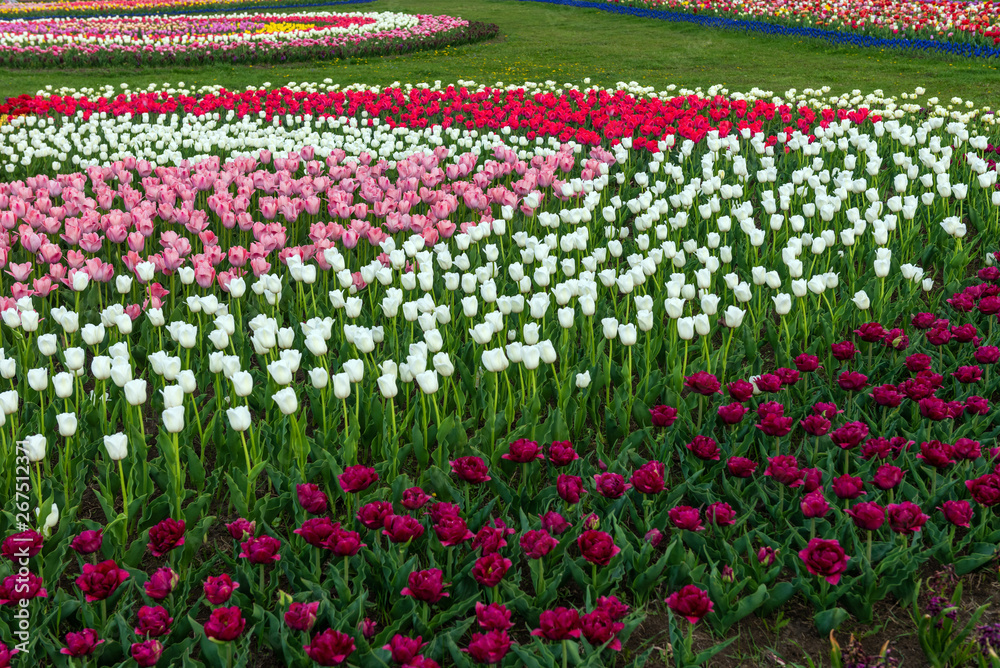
column 733, row 316
column 861, row 300
column 47, row 344
column 782, row 303
column 341, row 385
column 173, row 419
column 117, row 446
column 75, row 358
column 319, row 377
column 387, row 386
column 67, row 424
column 286, row 400
column 62, row 383
column 355, row 370
column 135, row 392
column 34, row 447
column 242, row 383
column 239, row 418
column 38, row 379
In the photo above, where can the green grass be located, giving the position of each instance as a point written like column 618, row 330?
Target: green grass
column 541, row 41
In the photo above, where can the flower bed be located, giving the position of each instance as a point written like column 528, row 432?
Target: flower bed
column 104, row 8
column 460, row 396
column 235, row 38
column 970, row 29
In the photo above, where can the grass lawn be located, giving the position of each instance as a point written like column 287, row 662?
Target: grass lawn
column 541, row 41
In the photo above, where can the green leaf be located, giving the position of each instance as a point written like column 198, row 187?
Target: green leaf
column 828, row 620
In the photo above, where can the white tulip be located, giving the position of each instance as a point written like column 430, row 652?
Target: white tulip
column 319, row 377
column 117, row 446
column 38, row 379
column 387, row 386
column 67, row 424
column 861, row 300
column 239, row 418
column 242, row 383
column 341, row 385
column 135, row 392
column 280, row 372
column 782, row 303
column 173, row 419
column 34, row 447
column 172, row 395
column 355, row 370
column 733, row 316
column 62, row 383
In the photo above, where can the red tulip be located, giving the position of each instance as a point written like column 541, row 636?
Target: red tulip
column 558, row 625
column 357, row 479
column 153, row 622
column 523, row 451
column 470, row 469
column 493, row 617
column 690, row 602
column 427, row 586
column 958, row 513
column 165, row 536
column 489, row 570
column 825, row 558
column 312, row 499
column 330, row 648
column 597, row 547
column 225, row 624
column 83, row 643
column 218, row 588
column 663, row 416
column 100, row 581
column 906, row 517
column 301, row 616
column 262, row 550
column 146, row 653
column 868, row 515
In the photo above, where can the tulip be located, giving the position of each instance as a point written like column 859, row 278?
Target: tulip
column 38, row 379
column 280, row 372
column 287, row 401
column 239, row 418
column 135, row 392
column 242, row 383
column 67, row 424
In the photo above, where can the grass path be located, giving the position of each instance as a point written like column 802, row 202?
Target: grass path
column 541, row 41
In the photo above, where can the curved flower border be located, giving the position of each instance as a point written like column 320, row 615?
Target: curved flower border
column 88, row 8
column 430, row 32
column 837, row 37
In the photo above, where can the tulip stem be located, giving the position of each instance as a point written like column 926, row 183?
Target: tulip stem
column 179, row 482
column 201, row 432
column 868, row 550
column 565, row 655
column 394, row 451
column 121, row 477
column 347, row 572
column 38, row 485
column 246, row 455
column 725, row 356
column 607, row 398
